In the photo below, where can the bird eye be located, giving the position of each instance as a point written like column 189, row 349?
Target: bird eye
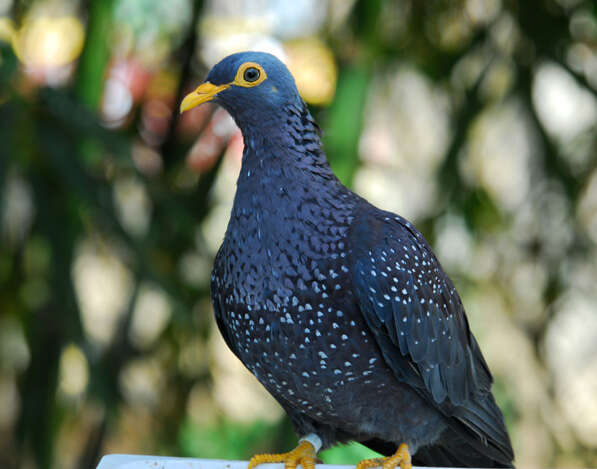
column 248, row 74
column 251, row 74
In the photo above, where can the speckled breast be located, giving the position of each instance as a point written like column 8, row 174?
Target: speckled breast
column 287, row 306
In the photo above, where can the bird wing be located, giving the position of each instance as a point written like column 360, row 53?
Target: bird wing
column 412, row 307
column 416, row 316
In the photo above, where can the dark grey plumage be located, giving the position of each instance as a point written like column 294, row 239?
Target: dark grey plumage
column 341, row 310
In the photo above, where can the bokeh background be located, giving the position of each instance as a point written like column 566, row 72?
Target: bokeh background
column 476, row 119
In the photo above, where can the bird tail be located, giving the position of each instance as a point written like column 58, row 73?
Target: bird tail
column 454, row 451
column 476, row 437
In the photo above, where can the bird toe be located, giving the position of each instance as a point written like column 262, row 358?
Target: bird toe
column 400, row 458
column 304, row 454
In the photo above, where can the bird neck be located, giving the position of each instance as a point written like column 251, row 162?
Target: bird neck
column 285, row 146
column 284, row 167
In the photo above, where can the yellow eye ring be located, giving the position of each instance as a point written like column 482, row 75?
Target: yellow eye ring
column 246, row 71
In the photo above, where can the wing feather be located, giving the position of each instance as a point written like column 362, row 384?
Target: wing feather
column 419, row 323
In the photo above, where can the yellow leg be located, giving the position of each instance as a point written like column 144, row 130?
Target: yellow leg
column 304, row 454
column 400, row 458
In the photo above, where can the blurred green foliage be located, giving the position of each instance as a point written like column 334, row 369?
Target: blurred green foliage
column 56, row 149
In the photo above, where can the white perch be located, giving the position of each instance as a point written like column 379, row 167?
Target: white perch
column 134, row 461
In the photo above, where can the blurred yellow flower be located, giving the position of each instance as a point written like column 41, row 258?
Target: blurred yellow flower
column 74, row 371
column 314, row 69
column 7, row 29
column 49, row 41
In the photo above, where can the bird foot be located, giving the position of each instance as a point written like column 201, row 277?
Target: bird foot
column 400, row 458
column 304, row 454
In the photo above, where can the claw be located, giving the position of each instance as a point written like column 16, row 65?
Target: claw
column 304, row 454
column 400, row 458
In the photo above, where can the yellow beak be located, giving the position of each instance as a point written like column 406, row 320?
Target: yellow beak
column 205, row 92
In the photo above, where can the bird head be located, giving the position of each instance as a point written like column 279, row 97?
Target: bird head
column 253, row 87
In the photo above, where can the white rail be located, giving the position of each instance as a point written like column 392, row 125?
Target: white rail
column 134, row 461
